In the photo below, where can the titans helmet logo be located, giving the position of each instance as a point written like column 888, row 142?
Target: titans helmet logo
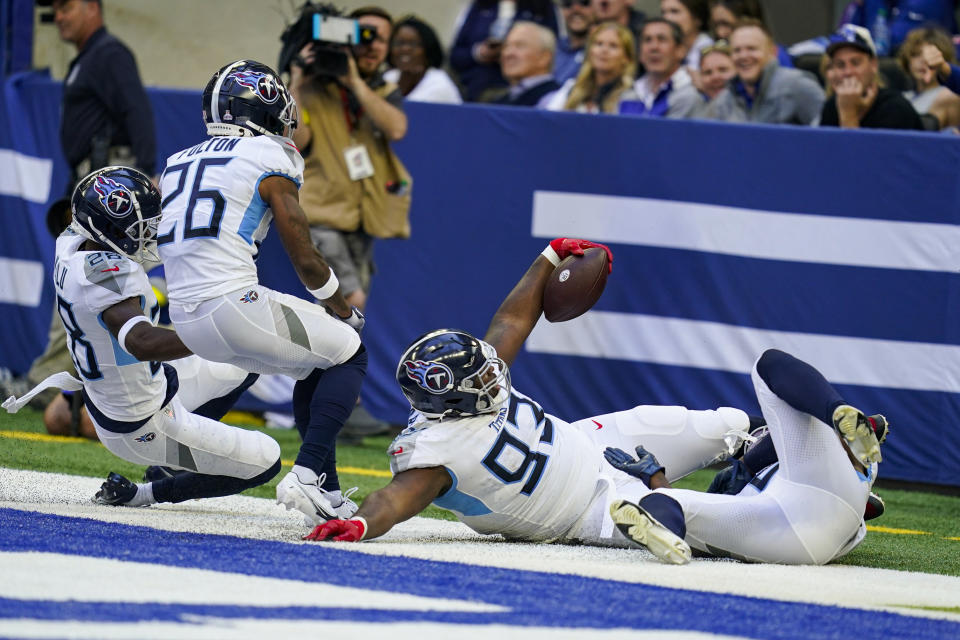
column 435, row 377
column 115, row 198
column 265, row 86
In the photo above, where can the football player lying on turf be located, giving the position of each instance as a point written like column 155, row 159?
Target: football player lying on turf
column 498, row 460
column 103, row 298
column 805, row 508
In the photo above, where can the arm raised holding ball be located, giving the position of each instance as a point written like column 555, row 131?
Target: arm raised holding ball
column 519, row 312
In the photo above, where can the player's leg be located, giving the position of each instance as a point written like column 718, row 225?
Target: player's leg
column 751, row 527
column 806, row 390
column 312, row 486
column 274, row 332
column 208, row 388
column 821, row 491
column 265, row 331
column 683, row 440
column 221, row 460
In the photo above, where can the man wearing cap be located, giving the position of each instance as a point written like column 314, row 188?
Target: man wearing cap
column 859, row 100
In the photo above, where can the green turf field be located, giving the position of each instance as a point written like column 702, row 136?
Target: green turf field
column 919, row 531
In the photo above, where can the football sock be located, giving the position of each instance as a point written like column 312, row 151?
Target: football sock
column 666, row 510
column 799, row 385
column 144, row 495
column 218, row 407
column 190, row 486
column 302, row 393
column 332, row 402
column 760, row 455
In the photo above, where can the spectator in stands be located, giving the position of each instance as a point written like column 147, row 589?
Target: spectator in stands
column 106, row 116
column 930, row 98
column 353, row 117
column 902, row 16
column 762, row 90
column 622, row 12
column 692, row 16
column 859, row 100
column 606, row 76
column 578, row 16
column 527, row 61
column 725, row 14
column 716, row 69
column 417, row 61
column 482, row 27
column 665, row 90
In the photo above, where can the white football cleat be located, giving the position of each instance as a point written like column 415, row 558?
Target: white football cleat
column 308, row 498
column 860, row 432
column 635, row 523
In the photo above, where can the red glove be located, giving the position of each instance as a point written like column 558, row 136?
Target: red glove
column 565, row 247
column 339, row 531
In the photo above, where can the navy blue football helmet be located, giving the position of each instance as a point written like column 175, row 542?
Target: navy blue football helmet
column 247, row 98
column 118, row 207
column 449, row 372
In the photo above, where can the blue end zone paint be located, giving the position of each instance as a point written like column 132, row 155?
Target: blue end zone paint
column 533, row 598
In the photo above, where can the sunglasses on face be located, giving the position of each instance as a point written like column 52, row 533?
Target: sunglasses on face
column 566, row 4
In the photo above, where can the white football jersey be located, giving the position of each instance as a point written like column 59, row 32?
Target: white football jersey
column 520, row 472
column 213, row 216
column 87, row 283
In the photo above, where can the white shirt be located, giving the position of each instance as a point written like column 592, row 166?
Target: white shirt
column 213, row 216
column 88, row 283
column 434, row 86
column 520, row 472
column 647, row 93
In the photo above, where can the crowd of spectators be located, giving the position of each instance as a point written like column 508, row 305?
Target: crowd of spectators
column 703, row 59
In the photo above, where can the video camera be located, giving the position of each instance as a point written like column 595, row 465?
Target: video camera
column 332, row 36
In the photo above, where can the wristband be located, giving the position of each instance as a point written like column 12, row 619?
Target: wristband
column 125, row 329
column 362, row 521
column 551, row 255
column 328, row 289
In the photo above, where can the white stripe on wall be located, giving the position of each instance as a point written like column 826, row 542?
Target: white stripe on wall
column 746, row 232
column 21, row 281
column 25, row 177
column 712, row 345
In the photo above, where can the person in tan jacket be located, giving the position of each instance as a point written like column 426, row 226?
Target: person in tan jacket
column 355, row 189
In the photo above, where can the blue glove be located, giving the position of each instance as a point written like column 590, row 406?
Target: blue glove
column 646, row 466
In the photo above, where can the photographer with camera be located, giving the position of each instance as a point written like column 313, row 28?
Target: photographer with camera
column 355, row 189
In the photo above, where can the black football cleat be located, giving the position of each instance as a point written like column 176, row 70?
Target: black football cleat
column 116, row 491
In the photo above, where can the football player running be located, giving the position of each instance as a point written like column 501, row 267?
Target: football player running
column 144, row 410
column 476, row 446
column 220, row 198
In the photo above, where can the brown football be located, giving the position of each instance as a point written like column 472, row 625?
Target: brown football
column 575, row 285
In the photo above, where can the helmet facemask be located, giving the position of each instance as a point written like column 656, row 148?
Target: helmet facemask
column 491, row 383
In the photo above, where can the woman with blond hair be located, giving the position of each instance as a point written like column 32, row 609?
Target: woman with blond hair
column 606, row 76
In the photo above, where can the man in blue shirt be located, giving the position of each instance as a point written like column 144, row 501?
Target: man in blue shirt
column 579, row 16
